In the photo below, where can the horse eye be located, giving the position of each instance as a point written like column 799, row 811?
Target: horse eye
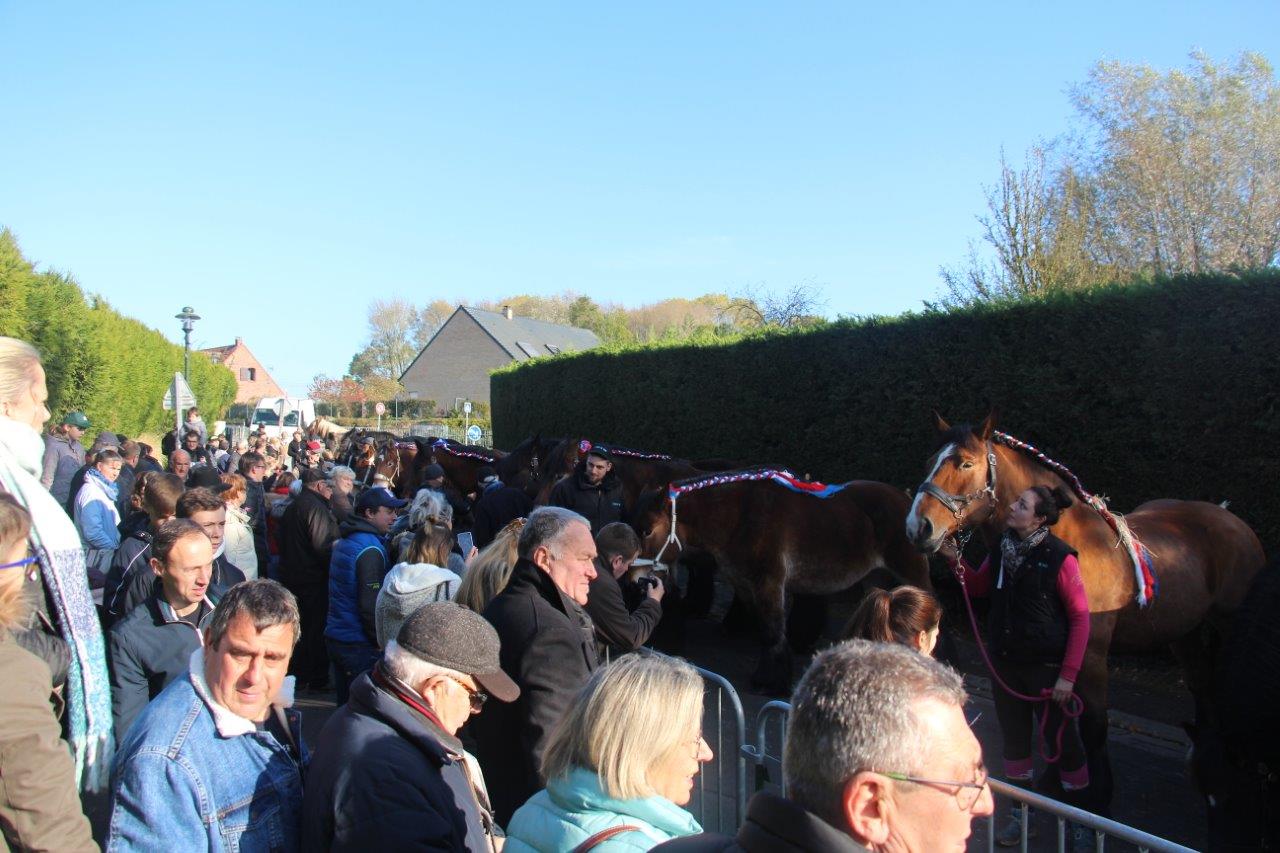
column 648, row 533
column 966, row 464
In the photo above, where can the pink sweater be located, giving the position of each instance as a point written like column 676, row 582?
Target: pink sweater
column 1070, row 588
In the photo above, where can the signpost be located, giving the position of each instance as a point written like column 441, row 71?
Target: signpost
column 466, row 419
column 178, row 397
column 474, row 434
column 381, row 409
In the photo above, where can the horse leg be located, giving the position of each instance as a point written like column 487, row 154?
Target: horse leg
column 1091, row 687
column 1196, row 653
column 773, row 675
column 806, row 621
column 701, row 584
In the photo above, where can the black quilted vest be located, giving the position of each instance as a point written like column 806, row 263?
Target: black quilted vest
column 1028, row 622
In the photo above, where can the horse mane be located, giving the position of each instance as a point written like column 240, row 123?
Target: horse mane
column 729, row 475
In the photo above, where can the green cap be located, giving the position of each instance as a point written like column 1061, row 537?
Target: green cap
column 77, row 419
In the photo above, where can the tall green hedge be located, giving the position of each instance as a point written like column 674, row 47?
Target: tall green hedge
column 1160, row 389
column 110, row 366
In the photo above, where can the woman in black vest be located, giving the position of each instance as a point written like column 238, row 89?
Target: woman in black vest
column 1037, row 633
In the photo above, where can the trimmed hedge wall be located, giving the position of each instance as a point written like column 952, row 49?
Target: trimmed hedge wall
column 1160, row 389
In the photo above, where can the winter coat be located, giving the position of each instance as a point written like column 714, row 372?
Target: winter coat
column 148, row 649
column 255, row 506
column 772, row 825
column 407, row 587
column 341, row 506
column 573, row 808
column 548, row 649
column 600, row 504
column 137, row 586
column 617, row 627
column 130, row 557
column 96, row 519
column 496, row 507
column 356, row 573
column 62, row 458
column 124, row 489
column 386, row 777
column 39, row 802
column 239, row 543
column 306, row 535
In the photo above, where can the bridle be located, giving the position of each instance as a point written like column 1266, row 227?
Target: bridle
column 959, row 504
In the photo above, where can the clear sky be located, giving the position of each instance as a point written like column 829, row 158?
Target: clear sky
column 278, row 165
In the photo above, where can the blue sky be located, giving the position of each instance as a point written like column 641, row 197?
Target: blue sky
column 278, row 165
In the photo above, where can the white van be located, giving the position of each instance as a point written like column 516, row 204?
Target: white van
column 282, row 415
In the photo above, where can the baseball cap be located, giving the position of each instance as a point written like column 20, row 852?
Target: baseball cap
column 312, row 475
column 601, row 451
column 315, row 445
column 77, row 419
column 449, row 635
column 432, row 471
column 374, row 498
column 204, row 477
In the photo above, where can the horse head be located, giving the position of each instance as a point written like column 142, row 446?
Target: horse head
column 652, row 523
column 959, row 490
column 560, row 462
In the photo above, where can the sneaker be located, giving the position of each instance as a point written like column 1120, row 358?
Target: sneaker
column 1010, row 832
column 1081, row 839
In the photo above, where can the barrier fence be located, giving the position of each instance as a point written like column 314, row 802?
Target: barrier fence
column 720, row 798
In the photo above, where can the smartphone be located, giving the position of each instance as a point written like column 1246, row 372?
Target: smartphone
column 466, row 542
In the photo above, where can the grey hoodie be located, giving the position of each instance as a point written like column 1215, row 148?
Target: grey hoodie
column 407, row 587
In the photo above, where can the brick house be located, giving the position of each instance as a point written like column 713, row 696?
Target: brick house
column 252, row 380
column 455, row 363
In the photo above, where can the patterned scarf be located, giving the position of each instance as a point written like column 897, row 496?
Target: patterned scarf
column 1014, row 551
column 62, row 567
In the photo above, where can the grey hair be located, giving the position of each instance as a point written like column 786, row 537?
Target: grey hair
column 547, row 525
column 852, row 711
column 264, row 601
column 341, row 471
column 428, row 503
column 412, row 670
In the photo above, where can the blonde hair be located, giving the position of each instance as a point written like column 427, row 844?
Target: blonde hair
column 491, row 569
column 15, row 527
column 18, row 361
column 630, row 716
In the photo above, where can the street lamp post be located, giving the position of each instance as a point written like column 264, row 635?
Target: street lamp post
column 188, row 318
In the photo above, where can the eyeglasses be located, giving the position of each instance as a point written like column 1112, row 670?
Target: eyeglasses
column 477, row 697
column 966, row 793
column 30, row 562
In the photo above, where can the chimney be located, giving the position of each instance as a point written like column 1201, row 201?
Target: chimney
column 239, row 340
column 507, row 312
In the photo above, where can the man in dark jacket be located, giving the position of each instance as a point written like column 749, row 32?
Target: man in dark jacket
column 388, row 772
column 863, row 705
column 160, row 502
column 548, row 647
column 592, row 490
column 153, row 644
column 498, row 504
column 618, row 627
column 306, row 535
column 253, row 467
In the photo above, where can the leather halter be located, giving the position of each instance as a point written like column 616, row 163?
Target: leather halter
column 959, row 503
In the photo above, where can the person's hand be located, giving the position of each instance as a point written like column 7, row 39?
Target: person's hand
column 656, row 589
column 472, row 555
column 949, row 550
column 1062, row 691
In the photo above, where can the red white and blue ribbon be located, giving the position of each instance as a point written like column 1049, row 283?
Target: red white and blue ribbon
column 1144, row 571
column 461, row 451
column 781, row 476
column 584, row 447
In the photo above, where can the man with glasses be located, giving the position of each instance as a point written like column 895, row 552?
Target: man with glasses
column 389, row 772
column 878, row 757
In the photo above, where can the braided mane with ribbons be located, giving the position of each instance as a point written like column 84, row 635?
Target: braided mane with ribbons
column 1139, row 556
column 584, row 447
column 461, row 451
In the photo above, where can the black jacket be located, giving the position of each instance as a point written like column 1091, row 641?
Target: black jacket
column 600, row 504
column 255, row 506
column 1028, row 621
column 385, row 777
column 495, row 508
column 306, row 535
column 548, row 648
column 124, row 489
column 621, row 629
column 772, row 825
column 130, row 557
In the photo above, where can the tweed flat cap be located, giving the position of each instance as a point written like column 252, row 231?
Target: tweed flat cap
column 449, row 635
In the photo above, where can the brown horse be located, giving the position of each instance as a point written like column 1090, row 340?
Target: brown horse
column 459, row 461
column 773, row 542
column 1204, row 559
column 527, row 463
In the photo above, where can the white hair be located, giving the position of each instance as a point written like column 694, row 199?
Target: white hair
column 409, row 668
column 341, row 471
column 428, row 503
column 547, row 525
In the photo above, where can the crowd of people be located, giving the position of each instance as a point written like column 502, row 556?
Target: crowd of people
column 157, row 622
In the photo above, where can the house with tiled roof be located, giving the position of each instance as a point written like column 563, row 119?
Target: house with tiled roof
column 252, row 379
column 455, row 363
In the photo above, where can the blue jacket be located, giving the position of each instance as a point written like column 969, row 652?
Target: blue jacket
column 574, row 808
column 356, row 569
column 193, row 776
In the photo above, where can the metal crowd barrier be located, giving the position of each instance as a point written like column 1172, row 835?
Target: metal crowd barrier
column 720, row 799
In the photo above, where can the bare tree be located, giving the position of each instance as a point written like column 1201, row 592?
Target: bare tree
column 754, row 306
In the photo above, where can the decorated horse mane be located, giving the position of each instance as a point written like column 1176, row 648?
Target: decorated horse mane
column 462, row 451
column 584, row 447
column 1145, row 574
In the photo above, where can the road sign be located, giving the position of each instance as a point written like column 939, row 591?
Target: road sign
column 381, row 409
column 473, row 434
column 466, row 407
column 179, row 388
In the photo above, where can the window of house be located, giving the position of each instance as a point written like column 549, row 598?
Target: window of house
column 553, row 349
column 247, row 374
column 529, row 349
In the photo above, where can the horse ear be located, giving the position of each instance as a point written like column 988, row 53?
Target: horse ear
column 940, row 423
column 988, row 425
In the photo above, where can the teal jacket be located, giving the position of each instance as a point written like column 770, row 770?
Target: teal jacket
column 571, row 809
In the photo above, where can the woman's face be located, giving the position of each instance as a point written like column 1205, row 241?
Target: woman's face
column 1022, row 514
column 30, row 408
column 110, row 469
column 928, row 640
column 672, row 779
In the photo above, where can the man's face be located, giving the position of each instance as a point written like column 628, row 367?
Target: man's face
column 596, row 468
column 382, row 518
column 258, row 471
column 619, row 564
column 192, row 441
column 214, row 524
column 926, row 817
column 180, row 463
column 571, row 562
column 344, row 485
column 321, row 488
column 244, row 672
column 185, row 575
column 436, row 483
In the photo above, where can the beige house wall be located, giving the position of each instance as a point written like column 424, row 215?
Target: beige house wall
column 456, row 363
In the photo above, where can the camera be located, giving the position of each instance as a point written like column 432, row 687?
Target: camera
column 645, row 581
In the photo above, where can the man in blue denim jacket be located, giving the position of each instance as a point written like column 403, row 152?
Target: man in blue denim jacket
column 215, row 762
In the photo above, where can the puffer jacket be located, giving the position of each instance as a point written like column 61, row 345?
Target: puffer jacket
column 239, row 543
column 407, row 587
column 356, row 572
column 39, row 804
column 573, row 808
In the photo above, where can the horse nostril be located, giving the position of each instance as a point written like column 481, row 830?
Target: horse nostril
column 925, row 531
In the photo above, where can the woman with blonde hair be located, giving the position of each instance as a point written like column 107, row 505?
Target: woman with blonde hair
column 620, row 763
column 239, row 535
column 62, row 582
column 490, row 571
